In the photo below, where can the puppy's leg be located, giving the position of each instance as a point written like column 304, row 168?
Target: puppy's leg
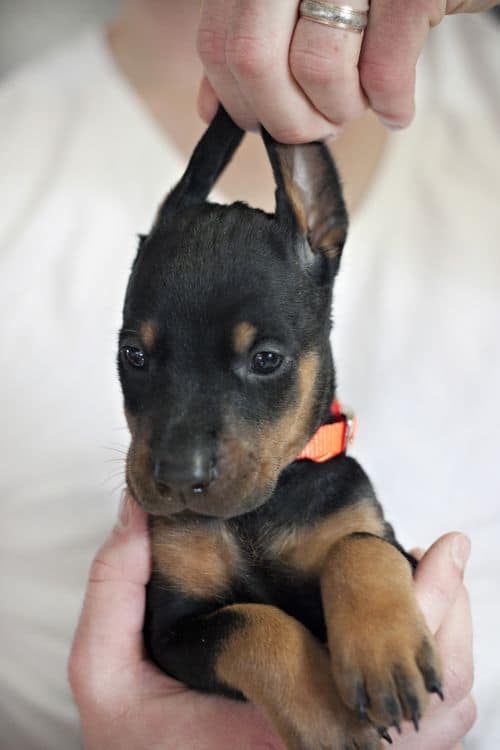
column 382, row 653
column 270, row 658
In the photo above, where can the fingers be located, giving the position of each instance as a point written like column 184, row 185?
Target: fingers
column 303, row 80
column 109, row 634
column 438, row 577
column 445, row 603
column 324, row 61
column 213, row 33
column 244, row 46
column 393, row 41
column 454, row 639
column 442, row 731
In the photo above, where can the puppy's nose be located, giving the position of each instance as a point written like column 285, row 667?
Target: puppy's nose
column 190, row 476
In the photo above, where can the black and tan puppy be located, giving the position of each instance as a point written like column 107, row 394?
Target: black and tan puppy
column 275, row 579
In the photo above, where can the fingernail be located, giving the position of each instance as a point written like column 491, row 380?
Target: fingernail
column 391, row 125
column 461, row 550
column 123, row 511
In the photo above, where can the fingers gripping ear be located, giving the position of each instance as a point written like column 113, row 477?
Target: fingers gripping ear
column 309, row 193
column 207, row 163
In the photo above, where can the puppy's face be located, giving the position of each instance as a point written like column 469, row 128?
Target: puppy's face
column 223, row 359
column 224, row 356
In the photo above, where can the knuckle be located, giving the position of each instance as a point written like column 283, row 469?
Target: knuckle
column 347, row 109
column 338, row 84
column 211, row 47
column 389, row 82
column 467, row 714
column 437, row 597
column 310, row 68
column 458, row 680
column 248, row 57
column 101, row 571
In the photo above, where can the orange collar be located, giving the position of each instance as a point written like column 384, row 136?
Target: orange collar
column 332, row 439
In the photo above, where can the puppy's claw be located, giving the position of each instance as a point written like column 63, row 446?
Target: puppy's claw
column 362, row 702
column 385, row 735
column 437, row 689
column 414, row 709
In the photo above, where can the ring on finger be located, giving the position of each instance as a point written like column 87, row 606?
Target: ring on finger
column 337, row 16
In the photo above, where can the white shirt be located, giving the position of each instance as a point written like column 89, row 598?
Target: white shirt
column 83, row 168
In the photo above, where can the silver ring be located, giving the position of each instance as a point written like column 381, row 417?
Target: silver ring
column 337, row 16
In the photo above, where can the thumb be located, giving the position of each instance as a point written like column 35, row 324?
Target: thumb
column 109, row 633
column 439, row 576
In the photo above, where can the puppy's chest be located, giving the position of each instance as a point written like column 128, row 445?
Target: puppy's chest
column 214, row 560
column 217, row 559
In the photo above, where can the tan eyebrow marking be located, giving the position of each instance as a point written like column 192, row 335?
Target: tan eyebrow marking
column 243, row 336
column 147, row 333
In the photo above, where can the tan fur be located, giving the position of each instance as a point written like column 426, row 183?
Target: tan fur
column 243, row 337
column 282, row 441
column 277, row 664
column 295, row 197
column 138, row 459
column 307, row 548
column 131, row 421
column 375, row 628
column 199, row 560
column 147, row 333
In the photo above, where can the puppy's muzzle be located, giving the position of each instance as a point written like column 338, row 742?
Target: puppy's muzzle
column 185, row 475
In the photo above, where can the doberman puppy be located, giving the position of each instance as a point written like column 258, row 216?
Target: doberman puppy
column 276, row 579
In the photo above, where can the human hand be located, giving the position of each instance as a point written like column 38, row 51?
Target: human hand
column 444, row 601
column 303, row 80
column 124, row 701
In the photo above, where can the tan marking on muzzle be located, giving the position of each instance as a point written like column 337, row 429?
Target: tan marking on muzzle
column 131, row 421
column 282, row 441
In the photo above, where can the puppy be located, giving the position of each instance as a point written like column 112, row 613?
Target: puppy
column 276, row 578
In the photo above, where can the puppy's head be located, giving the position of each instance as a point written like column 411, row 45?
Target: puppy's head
column 224, row 355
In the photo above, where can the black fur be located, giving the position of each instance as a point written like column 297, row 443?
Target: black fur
column 202, row 270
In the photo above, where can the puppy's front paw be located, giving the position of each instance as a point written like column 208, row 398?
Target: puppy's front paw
column 386, row 674
column 327, row 725
column 383, row 656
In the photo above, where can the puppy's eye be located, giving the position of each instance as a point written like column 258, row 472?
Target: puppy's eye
column 133, row 356
column 264, row 363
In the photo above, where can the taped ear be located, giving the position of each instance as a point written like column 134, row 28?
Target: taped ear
column 209, row 159
column 309, row 194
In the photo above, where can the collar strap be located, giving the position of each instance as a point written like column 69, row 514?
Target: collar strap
column 332, row 439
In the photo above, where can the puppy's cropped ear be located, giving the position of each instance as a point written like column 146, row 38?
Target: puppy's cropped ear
column 209, row 159
column 309, row 194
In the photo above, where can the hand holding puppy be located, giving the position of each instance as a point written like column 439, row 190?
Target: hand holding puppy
column 125, row 703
